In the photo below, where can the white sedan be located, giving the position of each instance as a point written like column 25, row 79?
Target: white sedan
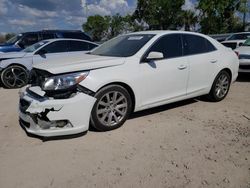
column 15, row 66
column 244, row 57
column 129, row 73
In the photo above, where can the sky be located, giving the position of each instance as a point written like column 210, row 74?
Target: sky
column 31, row 15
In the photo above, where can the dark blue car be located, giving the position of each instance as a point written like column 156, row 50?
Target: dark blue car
column 23, row 40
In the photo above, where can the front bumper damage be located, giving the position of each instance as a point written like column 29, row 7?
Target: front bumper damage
column 47, row 117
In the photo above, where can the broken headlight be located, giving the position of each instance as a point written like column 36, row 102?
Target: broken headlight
column 64, row 82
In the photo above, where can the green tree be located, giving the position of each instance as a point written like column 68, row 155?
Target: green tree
column 218, row 16
column 189, row 20
column 9, row 35
column 244, row 8
column 160, row 14
column 97, row 26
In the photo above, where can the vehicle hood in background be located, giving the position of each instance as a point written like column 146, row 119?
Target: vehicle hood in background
column 9, row 48
column 78, row 62
column 11, row 55
column 244, row 50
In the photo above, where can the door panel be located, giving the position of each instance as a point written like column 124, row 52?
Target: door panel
column 164, row 79
column 202, row 57
column 202, row 69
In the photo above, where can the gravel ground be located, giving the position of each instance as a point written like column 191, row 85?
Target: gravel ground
column 192, row 144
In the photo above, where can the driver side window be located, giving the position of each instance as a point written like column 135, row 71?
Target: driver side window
column 170, row 45
column 56, row 47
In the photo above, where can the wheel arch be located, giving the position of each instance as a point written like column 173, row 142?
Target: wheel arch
column 16, row 64
column 228, row 71
column 127, row 87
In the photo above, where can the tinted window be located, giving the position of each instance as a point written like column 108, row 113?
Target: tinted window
column 29, row 39
column 194, row 44
column 78, row 46
column 123, row 46
column 241, row 36
column 170, row 45
column 92, row 46
column 56, row 47
column 231, row 45
column 48, row 36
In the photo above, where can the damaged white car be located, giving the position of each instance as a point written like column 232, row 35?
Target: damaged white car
column 129, row 73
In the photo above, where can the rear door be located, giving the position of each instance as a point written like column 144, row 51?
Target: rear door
column 202, row 57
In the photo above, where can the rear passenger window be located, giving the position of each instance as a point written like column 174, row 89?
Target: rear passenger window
column 170, row 45
column 194, row 44
column 78, row 46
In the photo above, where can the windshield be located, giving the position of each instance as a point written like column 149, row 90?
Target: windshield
column 240, row 36
column 35, row 46
column 123, row 46
column 14, row 39
column 246, row 43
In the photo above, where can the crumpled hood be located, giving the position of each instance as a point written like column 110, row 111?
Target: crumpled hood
column 78, row 62
column 12, row 55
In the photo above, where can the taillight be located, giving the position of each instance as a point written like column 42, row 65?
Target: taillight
column 237, row 53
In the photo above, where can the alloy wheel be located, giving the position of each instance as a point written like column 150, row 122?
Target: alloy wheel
column 112, row 108
column 14, row 77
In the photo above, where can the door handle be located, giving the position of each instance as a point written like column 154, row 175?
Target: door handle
column 181, row 67
column 213, row 61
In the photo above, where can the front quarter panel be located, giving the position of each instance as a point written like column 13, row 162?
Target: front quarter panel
column 125, row 73
column 26, row 62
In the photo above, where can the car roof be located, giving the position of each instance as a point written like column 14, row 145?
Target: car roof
column 162, row 32
column 65, row 39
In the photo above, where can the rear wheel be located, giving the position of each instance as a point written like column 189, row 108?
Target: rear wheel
column 220, row 86
column 14, row 76
column 111, row 109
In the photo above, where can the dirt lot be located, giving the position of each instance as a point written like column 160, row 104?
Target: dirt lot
column 188, row 144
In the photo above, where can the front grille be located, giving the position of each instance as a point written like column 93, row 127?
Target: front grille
column 23, row 105
column 244, row 67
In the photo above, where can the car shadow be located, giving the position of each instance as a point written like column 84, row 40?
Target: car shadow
column 243, row 77
column 162, row 108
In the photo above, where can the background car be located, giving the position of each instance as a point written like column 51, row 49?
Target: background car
column 15, row 66
column 129, row 73
column 233, row 44
column 244, row 56
column 23, row 40
column 236, row 40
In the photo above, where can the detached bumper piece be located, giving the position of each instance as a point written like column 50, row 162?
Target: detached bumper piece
column 47, row 117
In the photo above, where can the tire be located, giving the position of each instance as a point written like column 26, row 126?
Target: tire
column 14, row 76
column 220, row 87
column 109, row 113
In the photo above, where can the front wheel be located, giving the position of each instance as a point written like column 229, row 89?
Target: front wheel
column 220, row 87
column 111, row 109
column 14, row 76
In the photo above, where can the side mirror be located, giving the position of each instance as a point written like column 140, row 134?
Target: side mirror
column 41, row 52
column 154, row 56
